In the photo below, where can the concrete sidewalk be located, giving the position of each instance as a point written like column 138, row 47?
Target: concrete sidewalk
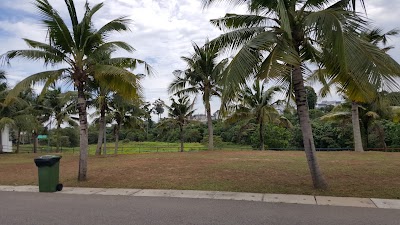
column 258, row 197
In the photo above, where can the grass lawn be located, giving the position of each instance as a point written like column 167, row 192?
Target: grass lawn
column 369, row 174
column 134, row 147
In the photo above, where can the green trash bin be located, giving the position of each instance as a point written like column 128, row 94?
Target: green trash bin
column 48, row 173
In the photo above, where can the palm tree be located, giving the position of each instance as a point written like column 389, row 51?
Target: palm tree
column 101, row 97
column 102, row 93
column 180, row 111
column 257, row 103
column 22, row 113
column 78, row 47
column 61, row 106
column 358, row 94
column 124, row 113
column 32, row 113
column 367, row 115
column 147, row 110
column 278, row 38
column 158, row 107
column 203, row 76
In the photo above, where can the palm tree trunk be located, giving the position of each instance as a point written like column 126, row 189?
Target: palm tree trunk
column 1, row 141
column 305, row 125
column 35, row 141
column 355, row 119
column 105, row 139
column 100, row 137
column 83, row 134
column 366, row 134
column 210, row 126
column 101, row 130
column 18, row 139
column 381, row 134
column 58, row 137
column 181, row 134
column 262, row 146
column 147, row 130
column 116, row 138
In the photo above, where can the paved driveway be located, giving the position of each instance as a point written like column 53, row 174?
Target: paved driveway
column 17, row 208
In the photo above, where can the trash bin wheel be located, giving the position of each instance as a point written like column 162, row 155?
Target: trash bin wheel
column 59, row 187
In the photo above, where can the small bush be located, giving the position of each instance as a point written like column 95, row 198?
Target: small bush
column 218, row 143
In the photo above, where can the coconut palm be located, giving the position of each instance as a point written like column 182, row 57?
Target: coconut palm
column 124, row 113
column 180, row 111
column 22, row 114
column 100, row 99
column 203, row 76
column 31, row 115
column 258, row 103
column 101, row 94
column 158, row 108
column 147, row 110
column 278, row 38
column 61, row 106
column 356, row 95
column 78, row 47
column 367, row 93
column 367, row 117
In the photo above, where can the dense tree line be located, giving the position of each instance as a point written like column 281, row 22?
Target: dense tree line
column 328, row 134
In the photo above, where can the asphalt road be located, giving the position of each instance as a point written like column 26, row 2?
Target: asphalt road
column 18, row 208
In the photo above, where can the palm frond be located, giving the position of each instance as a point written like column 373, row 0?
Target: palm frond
column 119, row 24
column 34, row 55
column 92, row 10
column 283, row 16
column 207, row 3
column 336, row 116
column 5, row 121
column 38, row 78
column 72, row 12
column 113, row 46
column 245, row 64
column 232, row 40
column 119, row 80
column 235, row 21
column 59, row 34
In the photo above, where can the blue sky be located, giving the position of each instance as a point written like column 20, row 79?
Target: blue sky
column 162, row 32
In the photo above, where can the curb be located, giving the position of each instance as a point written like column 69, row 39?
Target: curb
column 219, row 195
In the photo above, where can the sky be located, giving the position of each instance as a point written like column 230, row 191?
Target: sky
column 161, row 32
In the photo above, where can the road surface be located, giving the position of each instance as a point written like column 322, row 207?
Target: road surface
column 18, row 208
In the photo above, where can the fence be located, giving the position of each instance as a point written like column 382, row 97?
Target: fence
column 154, row 149
column 337, row 149
column 110, row 149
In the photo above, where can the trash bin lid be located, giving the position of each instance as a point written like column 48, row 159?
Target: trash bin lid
column 47, row 160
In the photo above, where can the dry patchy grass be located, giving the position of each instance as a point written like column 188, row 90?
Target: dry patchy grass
column 370, row 174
